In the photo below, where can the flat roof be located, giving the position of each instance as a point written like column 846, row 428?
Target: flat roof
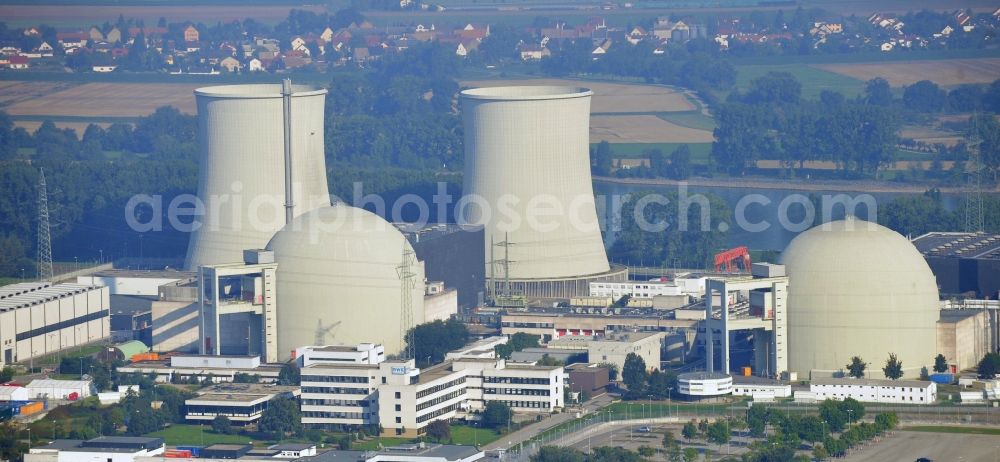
column 19, row 297
column 701, row 375
column 959, row 245
column 232, row 398
column 755, row 380
column 435, row 372
column 871, row 382
column 359, row 366
column 151, row 274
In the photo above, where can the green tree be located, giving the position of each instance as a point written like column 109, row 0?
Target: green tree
column 241, row 377
column 680, row 163
column 774, row 87
column 852, row 409
column 820, row 453
column 856, row 368
column 6, row 374
column 634, row 373
column 432, row 341
column 439, row 430
column 289, row 374
column 757, row 418
column 222, row 425
column 690, row 454
column 669, row 440
column 689, row 431
column 282, row 417
column 602, row 159
column 496, row 415
column 878, row 92
column 834, row 416
column 924, row 96
column 893, row 367
column 989, row 366
column 660, row 383
column 558, row 454
column 940, row 363
column 811, row 428
column 718, row 432
column 517, row 342
column 646, row 451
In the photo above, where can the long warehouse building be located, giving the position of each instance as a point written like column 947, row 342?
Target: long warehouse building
column 38, row 318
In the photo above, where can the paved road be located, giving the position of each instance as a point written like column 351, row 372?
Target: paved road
column 530, row 431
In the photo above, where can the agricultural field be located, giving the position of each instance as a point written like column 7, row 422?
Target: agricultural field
column 643, row 129
column 99, row 99
column 814, row 79
column 83, row 15
column 948, row 72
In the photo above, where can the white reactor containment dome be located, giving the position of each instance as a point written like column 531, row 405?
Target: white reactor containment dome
column 340, row 280
column 241, row 181
column 527, row 179
column 858, row 289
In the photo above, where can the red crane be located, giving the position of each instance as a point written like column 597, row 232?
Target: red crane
column 728, row 259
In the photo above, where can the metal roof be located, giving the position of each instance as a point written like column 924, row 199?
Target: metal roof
column 21, row 297
column 959, row 245
column 132, row 347
column 870, row 382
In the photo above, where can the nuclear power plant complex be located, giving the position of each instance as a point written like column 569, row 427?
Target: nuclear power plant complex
column 277, row 276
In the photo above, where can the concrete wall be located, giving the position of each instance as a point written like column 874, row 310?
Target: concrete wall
column 175, row 326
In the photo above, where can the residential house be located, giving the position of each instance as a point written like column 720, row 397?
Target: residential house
column 114, row 36
column 72, row 39
column 45, row 49
column 96, row 35
column 471, row 31
column 326, row 35
column 601, row 49
column 191, row 34
column 32, row 32
column 298, row 42
column 887, row 46
column 255, row 65
column 636, row 35
column 945, row 32
column 962, row 18
column 104, row 68
column 465, row 47
column 295, row 62
column 230, row 64
column 18, row 62
column 534, row 52
column 361, row 55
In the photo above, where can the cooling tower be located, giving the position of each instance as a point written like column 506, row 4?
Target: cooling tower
column 242, row 178
column 527, row 181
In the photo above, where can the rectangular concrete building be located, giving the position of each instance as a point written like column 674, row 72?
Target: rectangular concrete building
column 38, row 318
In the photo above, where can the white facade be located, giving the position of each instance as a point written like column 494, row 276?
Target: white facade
column 38, row 318
column 362, row 353
column 215, row 362
column 704, row 384
column 527, row 156
column 614, row 349
column 635, row 289
column 875, row 391
column 11, row 393
column 761, row 390
column 484, row 348
column 402, row 399
column 59, row 389
column 340, row 394
column 240, row 402
column 242, row 171
column 103, row 449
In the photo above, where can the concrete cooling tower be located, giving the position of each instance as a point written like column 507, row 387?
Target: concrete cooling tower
column 858, row 289
column 340, row 281
column 527, row 181
column 242, row 175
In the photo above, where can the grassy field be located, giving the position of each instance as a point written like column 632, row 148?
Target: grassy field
column 950, row 72
column 196, row 435
column 373, row 444
column 86, row 350
column 464, row 434
column 689, row 119
column 968, row 430
column 813, row 80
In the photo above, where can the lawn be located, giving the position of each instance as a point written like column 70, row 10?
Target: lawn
column 947, row 429
column 689, row 119
column 813, row 80
column 86, row 350
column 464, row 434
column 196, row 435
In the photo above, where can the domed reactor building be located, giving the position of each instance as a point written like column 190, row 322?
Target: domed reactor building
column 341, row 277
column 527, row 147
column 858, row 289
